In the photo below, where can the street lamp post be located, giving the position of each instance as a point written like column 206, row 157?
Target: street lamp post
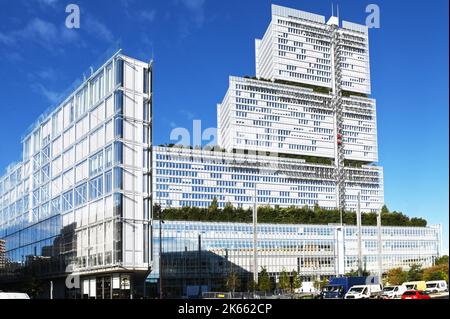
column 161, row 222
column 255, row 240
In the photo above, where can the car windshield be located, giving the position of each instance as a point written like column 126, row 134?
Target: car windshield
column 357, row 289
column 409, row 293
column 410, row 286
column 332, row 288
column 431, row 285
column 388, row 288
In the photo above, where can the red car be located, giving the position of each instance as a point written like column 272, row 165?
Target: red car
column 415, row 294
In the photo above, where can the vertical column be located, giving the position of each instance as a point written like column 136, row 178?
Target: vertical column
column 338, row 106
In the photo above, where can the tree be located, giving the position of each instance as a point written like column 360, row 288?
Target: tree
column 233, row 282
column 251, row 286
column 214, row 206
column 437, row 272
column 319, row 284
column 415, row 273
column 396, row 276
column 354, row 273
column 442, row 260
column 296, row 280
column 287, row 215
column 264, row 280
column 284, row 281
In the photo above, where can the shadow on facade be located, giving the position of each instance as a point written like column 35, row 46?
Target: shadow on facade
column 189, row 274
column 41, row 270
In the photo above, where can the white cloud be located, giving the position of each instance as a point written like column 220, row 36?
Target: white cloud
column 51, row 3
column 148, row 16
column 188, row 114
column 5, row 39
column 40, row 32
column 52, row 96
column 196, row 11
column 98, row 29
column 173, row 124
column 193, row 4
column 47, row 74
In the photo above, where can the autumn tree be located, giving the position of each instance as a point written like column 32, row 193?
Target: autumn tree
column 415, row 273
column 396, row 276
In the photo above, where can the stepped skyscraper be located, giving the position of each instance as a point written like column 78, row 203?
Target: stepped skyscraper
column 303, row 131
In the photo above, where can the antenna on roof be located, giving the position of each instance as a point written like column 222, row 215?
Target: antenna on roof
column 332, row 10
column 338, row 12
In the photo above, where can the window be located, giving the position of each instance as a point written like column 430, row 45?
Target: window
column 45, row 155
column 118, row 178
column 96, row 188
column 108, row 81
column 96, row 164
column 26, row 149
column 81, row 195
column 56, row 206
column 36, row 179
column 108, row 157
column 45, row 192
column 118, row 153
column 45, row 173
column 119, row 72
column 67, row 201
column 45, row 211
column 118, row 127
column 118, row 102
column 108, row 182
column 146, row 110
column 146, row 80
column 118, row 205
column 36, row 141
column 71, row 112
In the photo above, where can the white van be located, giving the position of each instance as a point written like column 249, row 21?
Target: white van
column 393, row 292
column 364, row 292
column 13, row 295
column 435, row 286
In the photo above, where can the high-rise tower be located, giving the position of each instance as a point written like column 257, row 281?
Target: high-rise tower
column 309, row 97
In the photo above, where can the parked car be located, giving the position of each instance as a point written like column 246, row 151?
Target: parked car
column 415, row 294
column 415, row 285
column 393, row 292
column 13, row 295
column 435, row 286
column 364, row 292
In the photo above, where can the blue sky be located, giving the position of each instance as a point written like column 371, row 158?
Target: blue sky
column 197, row 44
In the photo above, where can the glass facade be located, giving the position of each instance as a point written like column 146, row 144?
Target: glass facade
column 63, row 209
column 202, row 254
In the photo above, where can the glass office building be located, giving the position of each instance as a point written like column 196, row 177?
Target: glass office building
column 78, row 202
column 76, row 211
column 199, row 256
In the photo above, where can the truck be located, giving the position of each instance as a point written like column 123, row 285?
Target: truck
column 415, row 285
column 13, row 295
column 436, row 286
column 364, row 292
column 339, row 286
